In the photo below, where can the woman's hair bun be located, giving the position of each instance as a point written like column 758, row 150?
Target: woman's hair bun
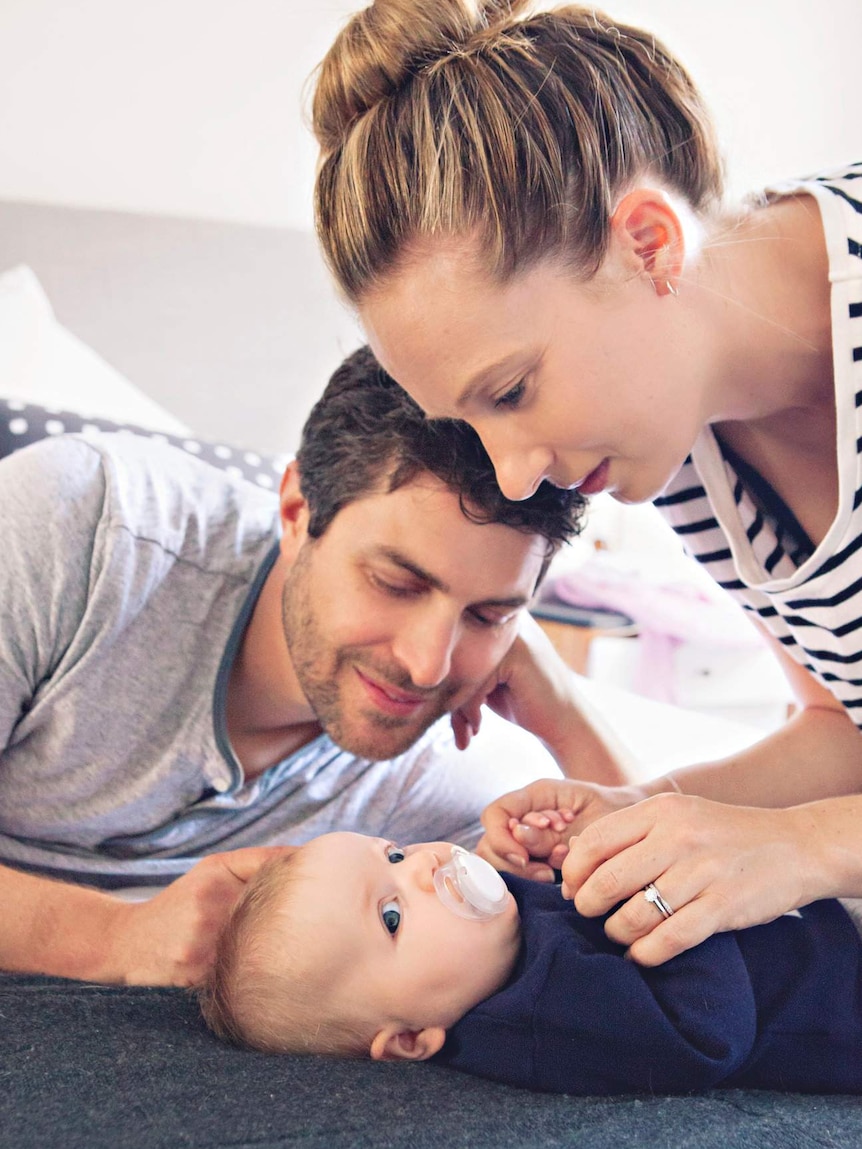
column 384, row 44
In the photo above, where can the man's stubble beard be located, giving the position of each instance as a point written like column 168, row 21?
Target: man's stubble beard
column 384, row 736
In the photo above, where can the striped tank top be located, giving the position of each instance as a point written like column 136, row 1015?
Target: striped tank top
column 809, row 598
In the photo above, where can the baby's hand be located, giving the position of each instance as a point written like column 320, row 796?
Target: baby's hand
column 544, row 834
column 527, row 831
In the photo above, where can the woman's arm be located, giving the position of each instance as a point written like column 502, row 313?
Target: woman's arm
column 817, row 754
column 749, row 838
column 742, row 841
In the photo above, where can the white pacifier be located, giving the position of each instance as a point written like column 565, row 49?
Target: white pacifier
column 470, row 887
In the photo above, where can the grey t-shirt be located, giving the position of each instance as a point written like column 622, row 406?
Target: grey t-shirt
column 129, row 573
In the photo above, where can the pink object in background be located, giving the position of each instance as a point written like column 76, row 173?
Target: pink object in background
column 667, row 615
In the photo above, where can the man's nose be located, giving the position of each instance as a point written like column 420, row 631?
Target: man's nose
column 424, row 648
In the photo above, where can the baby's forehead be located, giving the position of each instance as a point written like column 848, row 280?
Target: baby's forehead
column 315, row 883
column 327, row 882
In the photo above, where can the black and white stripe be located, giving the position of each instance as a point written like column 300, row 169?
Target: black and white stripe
column 811, row 602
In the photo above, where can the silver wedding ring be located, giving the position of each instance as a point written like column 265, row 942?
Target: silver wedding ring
column 652, row 895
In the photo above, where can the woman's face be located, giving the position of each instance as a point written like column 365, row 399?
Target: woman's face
column 598, row 386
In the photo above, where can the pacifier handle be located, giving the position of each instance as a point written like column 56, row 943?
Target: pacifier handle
column 470, row 886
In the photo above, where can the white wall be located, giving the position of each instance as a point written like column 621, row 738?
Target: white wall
column 192, row 107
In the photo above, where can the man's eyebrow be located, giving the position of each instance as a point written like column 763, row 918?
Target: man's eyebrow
column 513, row 602
column 401, row 560
column 481, row 377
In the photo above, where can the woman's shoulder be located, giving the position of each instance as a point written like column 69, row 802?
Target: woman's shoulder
column 847, row 175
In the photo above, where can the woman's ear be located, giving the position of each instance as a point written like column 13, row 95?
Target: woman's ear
column 293, row 511
column 394, row 1044
column 648, row 235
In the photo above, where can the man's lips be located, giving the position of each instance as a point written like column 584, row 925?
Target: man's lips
column 390, row 698
column 596, row 480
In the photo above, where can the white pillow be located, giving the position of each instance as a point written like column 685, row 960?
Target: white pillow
column 42, row 362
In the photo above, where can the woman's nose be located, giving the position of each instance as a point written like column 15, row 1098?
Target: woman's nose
column 520, row 471
column 520, row 476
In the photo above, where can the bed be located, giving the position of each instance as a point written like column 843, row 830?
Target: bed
column 221, row 336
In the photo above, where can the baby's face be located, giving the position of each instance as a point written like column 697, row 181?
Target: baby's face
column 402, row 953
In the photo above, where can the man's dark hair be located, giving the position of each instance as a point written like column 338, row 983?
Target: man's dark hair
column 366, row 430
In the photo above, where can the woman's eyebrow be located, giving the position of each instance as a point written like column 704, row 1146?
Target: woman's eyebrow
column 482, row 377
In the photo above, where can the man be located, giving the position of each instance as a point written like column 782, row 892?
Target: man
column 189, row 669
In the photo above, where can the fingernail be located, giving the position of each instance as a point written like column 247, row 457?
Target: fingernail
column 516, row 860
column 565, row 891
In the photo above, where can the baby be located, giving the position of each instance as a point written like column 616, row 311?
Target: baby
column 354, row 946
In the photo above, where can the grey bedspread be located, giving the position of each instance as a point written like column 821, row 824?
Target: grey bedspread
column 90, row 1067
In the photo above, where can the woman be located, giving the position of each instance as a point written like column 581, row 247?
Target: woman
column 526, row 212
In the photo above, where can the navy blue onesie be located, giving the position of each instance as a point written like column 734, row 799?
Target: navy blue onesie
column 778, row 1006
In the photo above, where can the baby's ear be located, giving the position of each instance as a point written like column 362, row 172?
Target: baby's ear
column 394, row 1044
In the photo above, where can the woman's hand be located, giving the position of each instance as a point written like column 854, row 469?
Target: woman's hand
column 718, row 867
column 527, row 831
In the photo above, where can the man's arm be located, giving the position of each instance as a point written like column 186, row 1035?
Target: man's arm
column 536, row 690
column 65, row 930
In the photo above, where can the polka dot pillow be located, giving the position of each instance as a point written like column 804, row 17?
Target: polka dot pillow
column 22, row 423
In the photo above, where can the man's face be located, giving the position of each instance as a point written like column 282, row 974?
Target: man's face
column 400, row 611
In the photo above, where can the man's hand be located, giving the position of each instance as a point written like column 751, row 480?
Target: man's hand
column 527, row 831
column 171, row 939
column 533, row 688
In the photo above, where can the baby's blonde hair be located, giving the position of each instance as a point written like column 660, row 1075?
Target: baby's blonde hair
column 269, row 989
column 448, row 117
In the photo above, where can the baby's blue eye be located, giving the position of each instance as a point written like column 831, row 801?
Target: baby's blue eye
column 394, row 854
column 391, row 916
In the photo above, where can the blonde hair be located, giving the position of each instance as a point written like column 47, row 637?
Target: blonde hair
column 443, row 117
column 269, row 989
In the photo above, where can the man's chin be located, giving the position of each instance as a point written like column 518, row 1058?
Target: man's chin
column 379, row 743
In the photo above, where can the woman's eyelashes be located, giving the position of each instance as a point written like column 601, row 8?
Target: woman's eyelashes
column 394, row 854
column 512, row 397
column 391, row 915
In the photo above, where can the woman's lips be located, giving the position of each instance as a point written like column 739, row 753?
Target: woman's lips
column 389, row 698
column 596, row 480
